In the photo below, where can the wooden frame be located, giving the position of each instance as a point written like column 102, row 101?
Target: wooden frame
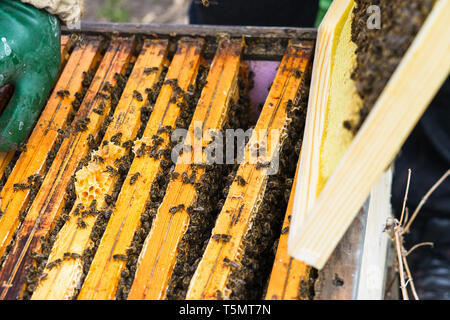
column 63, row 279
column 425, row 65
column 262, row 43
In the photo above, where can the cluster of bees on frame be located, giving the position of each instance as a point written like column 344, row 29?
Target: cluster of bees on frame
column 260, row 242
column 211, row 190
column 157, row 149
column 110, row 94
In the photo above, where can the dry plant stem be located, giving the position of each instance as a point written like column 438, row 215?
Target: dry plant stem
column 419, row 245
column 398, row 247
column 410, row 278
column 400, row 228
column 425, row 198
column 406, row 196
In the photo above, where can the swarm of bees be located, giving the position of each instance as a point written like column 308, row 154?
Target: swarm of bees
column 159, row 186
column 211, row 189
column 259, row 243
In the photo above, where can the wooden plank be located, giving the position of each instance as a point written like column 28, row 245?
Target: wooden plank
column 43, row 138
column 104, row 274
column 339, row 278
column 328, row 37
column 288, row 280
column 212, row 274
column 357, row 268
column 262, row 43
column 373, row 271
column 166, row 30
column 63, row 279
column 5, row 158
column 159, row 254
column 66, row 44
column 50, row 200
column 375, row 145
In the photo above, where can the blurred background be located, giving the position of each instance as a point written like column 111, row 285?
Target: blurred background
column 138, row 11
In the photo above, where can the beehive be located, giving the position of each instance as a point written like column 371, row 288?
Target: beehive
column 93, row 206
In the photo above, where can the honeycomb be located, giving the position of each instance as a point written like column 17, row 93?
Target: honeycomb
column 94, row 180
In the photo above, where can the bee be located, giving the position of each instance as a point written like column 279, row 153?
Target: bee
column 173, row 99
column 120, row 257
column 285, row 230
column 221, row 237
column 63, row 93
column 37, row 256
column 81, row 224
column 347, row 125
column 141, row 151
column 337, row 281
column 137, row 95
column 103, row 95
column 128, row 144
column 111, row 171
column 98, row 159
column 167, row 129
column 116, row 138
column 150, row 70
column 78, row 39
column 264, row 164
column 65, row 217
column 231, row 264
column 134, row 177
column 192, row 177
column 91, row 140
column 172, row 82
column 108, row 199
column 81, row 124
column 185, row 178
column 157, row 140
column 240, row 180
column 175, row 175
column 297, row 73
column 53, row 264
column 154, row 153
column 21, row 186
column 176, row 208
column 93, row 206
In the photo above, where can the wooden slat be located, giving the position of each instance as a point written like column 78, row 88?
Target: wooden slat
column 49, row 202
column 235, row 217
column 43, row 138
column 313, row 179
column 288, row 275
column 62, row 280
column 159, row 255
column 66, row 44
column 376, row 143
column 373, row 272
column 104, row 274
column 5, row 157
